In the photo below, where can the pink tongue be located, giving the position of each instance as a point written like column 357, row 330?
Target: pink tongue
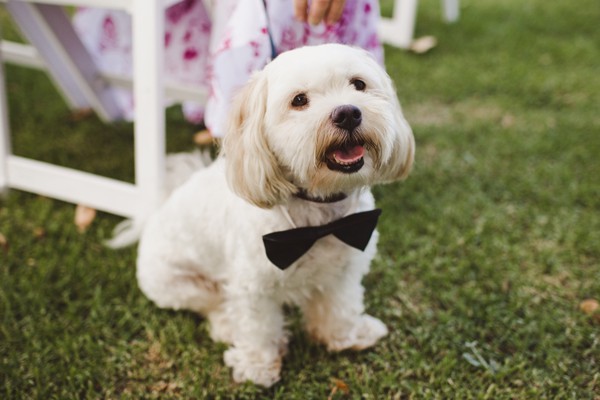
column 349, row 155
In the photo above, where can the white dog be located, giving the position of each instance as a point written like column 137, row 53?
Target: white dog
column 308, row 136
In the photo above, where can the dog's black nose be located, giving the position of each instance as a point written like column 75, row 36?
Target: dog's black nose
column 346, row 117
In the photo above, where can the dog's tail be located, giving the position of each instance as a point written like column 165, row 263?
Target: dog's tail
column 179, row 167
column 126, row 233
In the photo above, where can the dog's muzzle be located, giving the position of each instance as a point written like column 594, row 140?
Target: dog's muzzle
column 348, row 155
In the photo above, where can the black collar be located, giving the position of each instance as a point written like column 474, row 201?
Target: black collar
column 334, row 198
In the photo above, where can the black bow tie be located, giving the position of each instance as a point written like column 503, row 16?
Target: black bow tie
column 285, row 247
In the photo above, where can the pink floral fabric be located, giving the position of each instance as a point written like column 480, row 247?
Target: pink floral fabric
column 217, row 44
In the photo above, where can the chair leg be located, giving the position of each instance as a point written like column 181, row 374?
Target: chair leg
column 48, row 28
column 399, row 30
column 451, row 10
column 5, row 149
column 149, row 122
column 405, row 16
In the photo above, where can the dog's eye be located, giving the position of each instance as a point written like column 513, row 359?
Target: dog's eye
column 358, row 84
column 300, row 100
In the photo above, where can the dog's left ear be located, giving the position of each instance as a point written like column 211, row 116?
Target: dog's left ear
column 400, row 162
column 399, row 158
column 252, row 171
column 403, row 153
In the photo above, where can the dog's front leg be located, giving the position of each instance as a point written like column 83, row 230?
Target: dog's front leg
column 259, row 338
column 334, row 315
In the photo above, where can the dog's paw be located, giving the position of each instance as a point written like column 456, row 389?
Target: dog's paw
column 365, row 333
column 252, row 366
column 220, row 328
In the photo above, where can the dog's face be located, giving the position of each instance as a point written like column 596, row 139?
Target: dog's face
column 325, row 119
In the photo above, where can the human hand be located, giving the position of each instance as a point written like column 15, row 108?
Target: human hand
column 329, row 11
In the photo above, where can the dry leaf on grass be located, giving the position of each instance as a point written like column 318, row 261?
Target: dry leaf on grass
column 84, row 216
column 81, row 114
column 589, row 306
column 423, row 44
column 339, row 385
column 3, row 243
column 39, row 232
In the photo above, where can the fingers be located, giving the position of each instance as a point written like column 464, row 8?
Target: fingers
column 329, row 11
column 300, row 10
column 318, row 11
column 335, row 11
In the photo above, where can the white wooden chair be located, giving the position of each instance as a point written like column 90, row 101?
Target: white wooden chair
column 57, row 49
column 399, row 30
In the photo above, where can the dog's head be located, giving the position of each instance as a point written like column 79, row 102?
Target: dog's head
column 324, row 119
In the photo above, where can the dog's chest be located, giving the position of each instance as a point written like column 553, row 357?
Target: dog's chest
column 326, row 261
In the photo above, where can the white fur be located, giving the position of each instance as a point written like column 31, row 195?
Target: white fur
column 203, row 249
column 178, row 169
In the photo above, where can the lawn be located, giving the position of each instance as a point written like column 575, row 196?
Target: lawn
column 486, row 251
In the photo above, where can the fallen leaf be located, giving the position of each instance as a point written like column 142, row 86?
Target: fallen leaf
column 3, row 243
column 423, row 44
column 84, row 216
column 339, row 385
column 589, row 306
column 39, row 232
column 81, row 114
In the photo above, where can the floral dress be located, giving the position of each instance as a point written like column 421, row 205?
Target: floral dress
column 217, row 44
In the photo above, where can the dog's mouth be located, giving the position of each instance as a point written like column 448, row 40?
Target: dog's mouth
column 347, row 158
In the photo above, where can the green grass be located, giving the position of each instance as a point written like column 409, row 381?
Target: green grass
column 486, row 250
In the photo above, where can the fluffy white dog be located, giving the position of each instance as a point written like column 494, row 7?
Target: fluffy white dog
column 308, row 136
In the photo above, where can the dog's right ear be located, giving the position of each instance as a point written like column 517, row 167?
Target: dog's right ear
column 252, row 170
